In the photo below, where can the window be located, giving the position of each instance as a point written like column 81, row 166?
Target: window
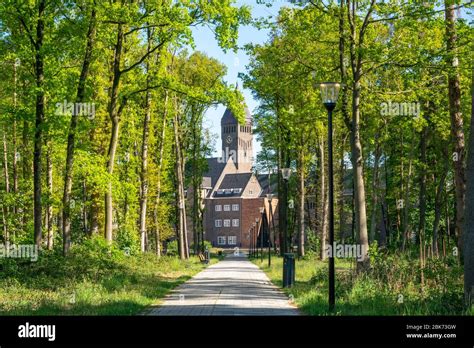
column 218, row 207
column 221, row 240
column 250, row 192
column 237, row 190
column 227, row 223
column 235, row 207
column 226, row 207
column 218, row 223
column 232, row 240
column 235, row 222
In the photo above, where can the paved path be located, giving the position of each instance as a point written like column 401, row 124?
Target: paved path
column 234, row 286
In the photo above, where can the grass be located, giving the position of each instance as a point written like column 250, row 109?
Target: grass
column 391, row 287
column 93, row 280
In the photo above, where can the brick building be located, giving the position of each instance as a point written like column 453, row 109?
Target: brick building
column 232, row 194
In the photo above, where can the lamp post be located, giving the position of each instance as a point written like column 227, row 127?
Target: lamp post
column 262, row 209
column 253, row 239
column 329, row 94
column 291, row 206
column 285, row 173
column 248, row 237
column 257, row 231
column 269, row 197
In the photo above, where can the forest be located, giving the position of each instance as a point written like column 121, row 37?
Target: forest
column 102, row 107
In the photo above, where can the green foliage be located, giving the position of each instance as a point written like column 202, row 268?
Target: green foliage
column 313, row 244
column 172, row 248
column 207, row 245
column 96, row 279
column 378, row 291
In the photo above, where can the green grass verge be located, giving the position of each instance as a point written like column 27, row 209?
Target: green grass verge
column 93, row 280
column 391, row 287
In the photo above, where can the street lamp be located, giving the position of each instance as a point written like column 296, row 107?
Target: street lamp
column 291, row 206
column 269, row 197
column 253, row 239
column 329, row 95
column 262, row 209
column 285, row 173
column 257, row 231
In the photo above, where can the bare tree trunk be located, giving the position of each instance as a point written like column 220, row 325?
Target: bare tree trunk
column 422, row 199
column 457, row 130
column 323, row 201
column 114, row 118
column 144, row 169
column 14, row 142
column 182, row 238
column 469, row 221
column 6, row 230
column 40, row 109
column 160, row 165
column 342, row 168
column 438, row 209
column 406, row 201
column 301, row 189
column 80, row 96
column 375, row 188
column 356, row 54
column 49, row 207
column 357, row 165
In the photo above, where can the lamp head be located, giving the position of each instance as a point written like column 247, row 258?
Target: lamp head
column 286, row 173
column 329, row 94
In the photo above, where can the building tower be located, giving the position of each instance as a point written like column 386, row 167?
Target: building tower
column 237, row 140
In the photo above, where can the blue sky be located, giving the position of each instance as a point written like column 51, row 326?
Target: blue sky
column 235, row 62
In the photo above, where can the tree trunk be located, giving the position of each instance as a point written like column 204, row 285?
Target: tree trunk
column 80, row 96
column 357, row 165
column 457, row 131
column 39, row 120
column 342, row 172
column 6, row 230
column 183, row 252
column 422, row 199
column 323, row 201
column 469, row 220
column 356, row 146
column 438, row 208
column 301, row 189
column 144, row 169
column 114, row 118
column 14, row 142
column 49, row 207
column 375, row 188
column 160, row 165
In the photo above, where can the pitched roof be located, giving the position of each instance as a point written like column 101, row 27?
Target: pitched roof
column 231, row 182
column 263, row 181
column 215, row 168
column 229, row 118
column 239, row 180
